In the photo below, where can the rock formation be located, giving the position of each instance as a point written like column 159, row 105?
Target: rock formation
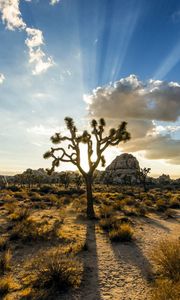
column 123, row 169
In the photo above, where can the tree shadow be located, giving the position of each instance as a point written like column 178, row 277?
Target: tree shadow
column 131, row 253
column 90, row 281
column 155, row 222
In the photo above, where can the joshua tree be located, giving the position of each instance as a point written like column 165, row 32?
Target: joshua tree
column 143, row 177
column 65, row 179
column 78, row 180
column 113, row 138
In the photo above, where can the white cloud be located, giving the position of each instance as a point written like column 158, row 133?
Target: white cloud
column 168, row 128
column 35, row 37
column 53, row 2
column 2, row 78
column 140, row 104
column 37, row 57
column 11, row 16
column 47, row 131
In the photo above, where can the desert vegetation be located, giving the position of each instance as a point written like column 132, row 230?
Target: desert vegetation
column 45, row 234
column 74, row 235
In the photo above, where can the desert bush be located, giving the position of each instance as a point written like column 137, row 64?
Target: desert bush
column 70, row 192
column 167, row 258
column 113, row 222
column 6, row 284
column 5, row 262
column 175, row 202
column 129, row 201
column 28, row 230
column 118, row 205
column 20, row 214
column 11, row 207
column 142, row 210
column 166, row 289
column 20, row 195
column 105, row 211
column 120, row 196
column 56, row 271
column 130, row 211
column 35, row 196
column 52, row 198
column 123, row 233
column 107, row 223
column 151, row 197
column 46, row 189
column 161, row 205
column 14, row 188
column 75, row 248
column 148, row 202
column 3, row 243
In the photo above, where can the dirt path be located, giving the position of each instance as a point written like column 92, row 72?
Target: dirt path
column 122, row 271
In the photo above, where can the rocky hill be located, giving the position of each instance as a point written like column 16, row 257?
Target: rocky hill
column 123, row 168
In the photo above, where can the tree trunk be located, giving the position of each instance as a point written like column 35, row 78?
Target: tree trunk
column 90, row 208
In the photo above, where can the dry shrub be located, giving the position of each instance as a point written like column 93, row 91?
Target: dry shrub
column 175, row 202
column 105, row 211
column 148, row 202
column 3, row 243
column 129, row 201
column 122, row 233
column 167, row 258
column 118, row 205
column 20, row 214
column 54, row 271
column 28, row 230
column 7, row 284
column 11, row 206
column 142, row 210
column 107, row 223
column 165, row 289
column 21, row 195
column 130, row 211
column 5, row 261
column 35, row 196
column 161, row 205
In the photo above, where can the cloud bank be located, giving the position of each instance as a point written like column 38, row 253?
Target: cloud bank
column 141, row 104
column 11, row 16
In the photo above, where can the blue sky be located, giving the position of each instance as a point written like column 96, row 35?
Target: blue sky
column 82, row 45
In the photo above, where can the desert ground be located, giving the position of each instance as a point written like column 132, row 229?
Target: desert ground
column 50, row 250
